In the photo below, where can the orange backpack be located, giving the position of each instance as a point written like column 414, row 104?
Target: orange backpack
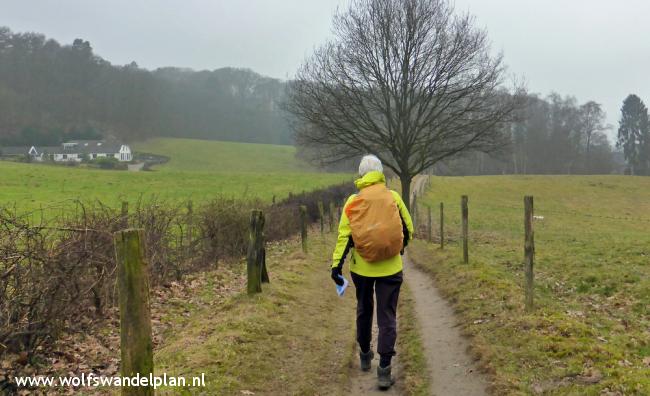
column 376, row 224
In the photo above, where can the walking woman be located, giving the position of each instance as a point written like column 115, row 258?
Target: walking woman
column 376, row 227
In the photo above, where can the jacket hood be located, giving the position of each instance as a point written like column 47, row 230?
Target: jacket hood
column 369, row 179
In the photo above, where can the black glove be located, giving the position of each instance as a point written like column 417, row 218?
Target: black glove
column 337, row 276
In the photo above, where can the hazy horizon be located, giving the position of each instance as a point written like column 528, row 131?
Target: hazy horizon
column 593, row 50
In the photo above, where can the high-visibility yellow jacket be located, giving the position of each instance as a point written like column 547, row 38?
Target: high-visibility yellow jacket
column 345, row 243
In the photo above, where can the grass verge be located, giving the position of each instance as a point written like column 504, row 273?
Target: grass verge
column 414, row 374
column 293, row 338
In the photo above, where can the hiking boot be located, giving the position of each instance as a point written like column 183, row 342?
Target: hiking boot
column 384, row 379
column 365, row 359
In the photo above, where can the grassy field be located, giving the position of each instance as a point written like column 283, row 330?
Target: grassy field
column 221, row 157
column 198, row 170
column 590, row 331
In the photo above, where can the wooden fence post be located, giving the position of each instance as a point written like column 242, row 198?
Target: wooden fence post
column 465, row 213
column 254, row 258
column 529, row 250
column 442, row 225
column 265, row 273
column 429, row 224
column 321, row 214
column 135, row 316
column 303, row 227
column 331, row 216
column 124, row 220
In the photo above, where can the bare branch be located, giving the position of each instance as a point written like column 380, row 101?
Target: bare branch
column 408, row 80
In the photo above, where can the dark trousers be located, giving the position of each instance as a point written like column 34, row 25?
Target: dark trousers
column 387, row 291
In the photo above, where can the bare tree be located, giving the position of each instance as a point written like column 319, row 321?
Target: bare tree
column 593, row 122
column 407, row 80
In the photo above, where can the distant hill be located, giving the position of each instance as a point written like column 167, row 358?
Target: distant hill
column 225, row 104
column 51, row 92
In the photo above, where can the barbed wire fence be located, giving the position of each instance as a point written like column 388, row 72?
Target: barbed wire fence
column 447, row 227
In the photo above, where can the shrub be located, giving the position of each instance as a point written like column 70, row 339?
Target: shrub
column 106, row 163
column 51, row 273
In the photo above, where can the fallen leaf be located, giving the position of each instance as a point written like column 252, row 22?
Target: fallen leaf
column 22, row 358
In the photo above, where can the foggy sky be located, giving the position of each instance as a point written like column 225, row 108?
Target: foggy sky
column 593, row 49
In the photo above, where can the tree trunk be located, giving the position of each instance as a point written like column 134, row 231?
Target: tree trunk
column 406, row 190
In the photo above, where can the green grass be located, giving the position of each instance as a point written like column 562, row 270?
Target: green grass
column 221, row 157
column 413, row 364
column 198, row 170
column 294, row 338
column 590, row 331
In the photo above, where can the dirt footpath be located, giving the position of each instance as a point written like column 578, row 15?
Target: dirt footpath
column 452, row 370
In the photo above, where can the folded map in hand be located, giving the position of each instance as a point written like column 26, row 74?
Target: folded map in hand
column 341, row 289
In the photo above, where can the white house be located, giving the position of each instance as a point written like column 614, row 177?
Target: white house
column 75, row 150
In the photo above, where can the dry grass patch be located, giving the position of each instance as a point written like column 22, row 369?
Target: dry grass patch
column 291, row 339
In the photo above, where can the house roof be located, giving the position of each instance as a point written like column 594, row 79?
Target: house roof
column 87, row 147
column 71, row 147
column 49, row 150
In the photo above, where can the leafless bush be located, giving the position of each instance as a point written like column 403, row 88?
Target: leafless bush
column 224, row 228
column 283, row 218
column 44, row 277
column 163, row 224
column 62, row 269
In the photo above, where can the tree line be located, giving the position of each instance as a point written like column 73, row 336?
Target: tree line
column 556, row 135
column 51, row 92
column 551, row 135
